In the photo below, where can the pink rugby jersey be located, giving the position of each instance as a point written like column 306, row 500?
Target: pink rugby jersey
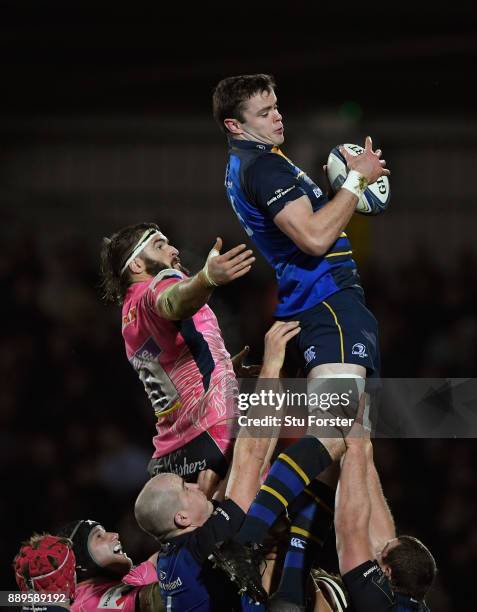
column 184, row 365
column 99, row 594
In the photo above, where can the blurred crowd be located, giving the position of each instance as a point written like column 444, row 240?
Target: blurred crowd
column 76, row 426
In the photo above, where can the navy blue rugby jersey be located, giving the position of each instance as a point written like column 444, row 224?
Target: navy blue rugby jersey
column 260, row 181
column 187, row 579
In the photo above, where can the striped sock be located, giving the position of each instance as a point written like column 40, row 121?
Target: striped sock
column 311, row 520
column 292, row 471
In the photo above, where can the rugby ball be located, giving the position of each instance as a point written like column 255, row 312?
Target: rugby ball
column 375, row 199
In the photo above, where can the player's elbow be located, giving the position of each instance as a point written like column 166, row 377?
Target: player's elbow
column 308, row 240
column 172, row 310
column 312, row 245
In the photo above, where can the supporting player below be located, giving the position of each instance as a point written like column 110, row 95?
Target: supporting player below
column 190, row 528
column 381, row 571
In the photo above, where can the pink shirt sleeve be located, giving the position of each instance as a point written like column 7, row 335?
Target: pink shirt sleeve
column 157, row 287
column 142, row 574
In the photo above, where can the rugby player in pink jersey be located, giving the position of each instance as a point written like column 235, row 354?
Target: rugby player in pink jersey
column 173, row 341
column 106, row 578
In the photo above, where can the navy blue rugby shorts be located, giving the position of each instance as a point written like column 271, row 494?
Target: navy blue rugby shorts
column 341, row 329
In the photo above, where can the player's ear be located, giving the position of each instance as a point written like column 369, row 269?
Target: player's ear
column 233, row 126
column 181, row 519
column 137, row 265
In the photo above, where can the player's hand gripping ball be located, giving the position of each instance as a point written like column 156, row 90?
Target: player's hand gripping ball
column 375, row 199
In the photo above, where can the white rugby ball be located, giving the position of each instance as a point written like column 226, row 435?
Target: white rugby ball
column 375, row 199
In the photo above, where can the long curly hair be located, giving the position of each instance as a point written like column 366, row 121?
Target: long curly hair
column 114, row 253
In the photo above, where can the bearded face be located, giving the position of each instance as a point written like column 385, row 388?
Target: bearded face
column 154, row 267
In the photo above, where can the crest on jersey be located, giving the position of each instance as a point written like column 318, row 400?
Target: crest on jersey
column 359, row 350
column 310, row 354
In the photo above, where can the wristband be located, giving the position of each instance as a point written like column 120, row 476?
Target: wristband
column 208, row 280
column 205, row 269
column 356, row 183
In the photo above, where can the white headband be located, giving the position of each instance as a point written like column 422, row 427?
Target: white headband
column 142, row 244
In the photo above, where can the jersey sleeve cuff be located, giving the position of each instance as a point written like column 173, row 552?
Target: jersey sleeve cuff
column 278, row 204
column 235, row 513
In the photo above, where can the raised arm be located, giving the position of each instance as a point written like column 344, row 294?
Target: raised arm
column 315, row 232
column 381, row 523
column 252, row 452
column 183, row 299
column 353, row 508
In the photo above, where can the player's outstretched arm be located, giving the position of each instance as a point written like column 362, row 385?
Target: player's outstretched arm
column 353, row 506
column 276, row 340
column 182, row 300
column 381, row 523
column 252, row 452
column 315, row 232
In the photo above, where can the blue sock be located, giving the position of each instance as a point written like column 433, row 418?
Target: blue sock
column 311, row 519
column 292, row 471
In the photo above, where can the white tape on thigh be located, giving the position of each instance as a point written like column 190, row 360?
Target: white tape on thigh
column 357, row 377
column 360, row 383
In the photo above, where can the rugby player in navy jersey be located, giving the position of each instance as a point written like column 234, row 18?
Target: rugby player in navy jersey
column 299, row 231
column 380, row 571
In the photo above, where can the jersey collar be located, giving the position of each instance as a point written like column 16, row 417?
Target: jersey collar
column 249, row 144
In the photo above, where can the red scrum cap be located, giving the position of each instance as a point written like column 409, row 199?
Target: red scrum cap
column 46, row 563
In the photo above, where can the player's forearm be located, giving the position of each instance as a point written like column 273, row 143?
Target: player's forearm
column 327, row 223
column 381, row 524
column 182, row 300
column 270, row 371
column 253, row 449
column 251, row 455
column 353, row 506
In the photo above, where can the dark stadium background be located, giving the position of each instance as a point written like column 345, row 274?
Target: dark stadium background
column 105, row 120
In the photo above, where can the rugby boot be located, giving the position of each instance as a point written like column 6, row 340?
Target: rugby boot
column 241, row 563
column 277, row 604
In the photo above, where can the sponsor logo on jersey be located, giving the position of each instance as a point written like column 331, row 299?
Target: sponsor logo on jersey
column 279, row 193
column 170, row 463
column 113, row 598
column 370, row 571
column 170, row 586
column 222, row 512
column 149, row 351
column 309, row 354
column 359, row 350
column 317, row 191
column 130, row 316
column 297, row 543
